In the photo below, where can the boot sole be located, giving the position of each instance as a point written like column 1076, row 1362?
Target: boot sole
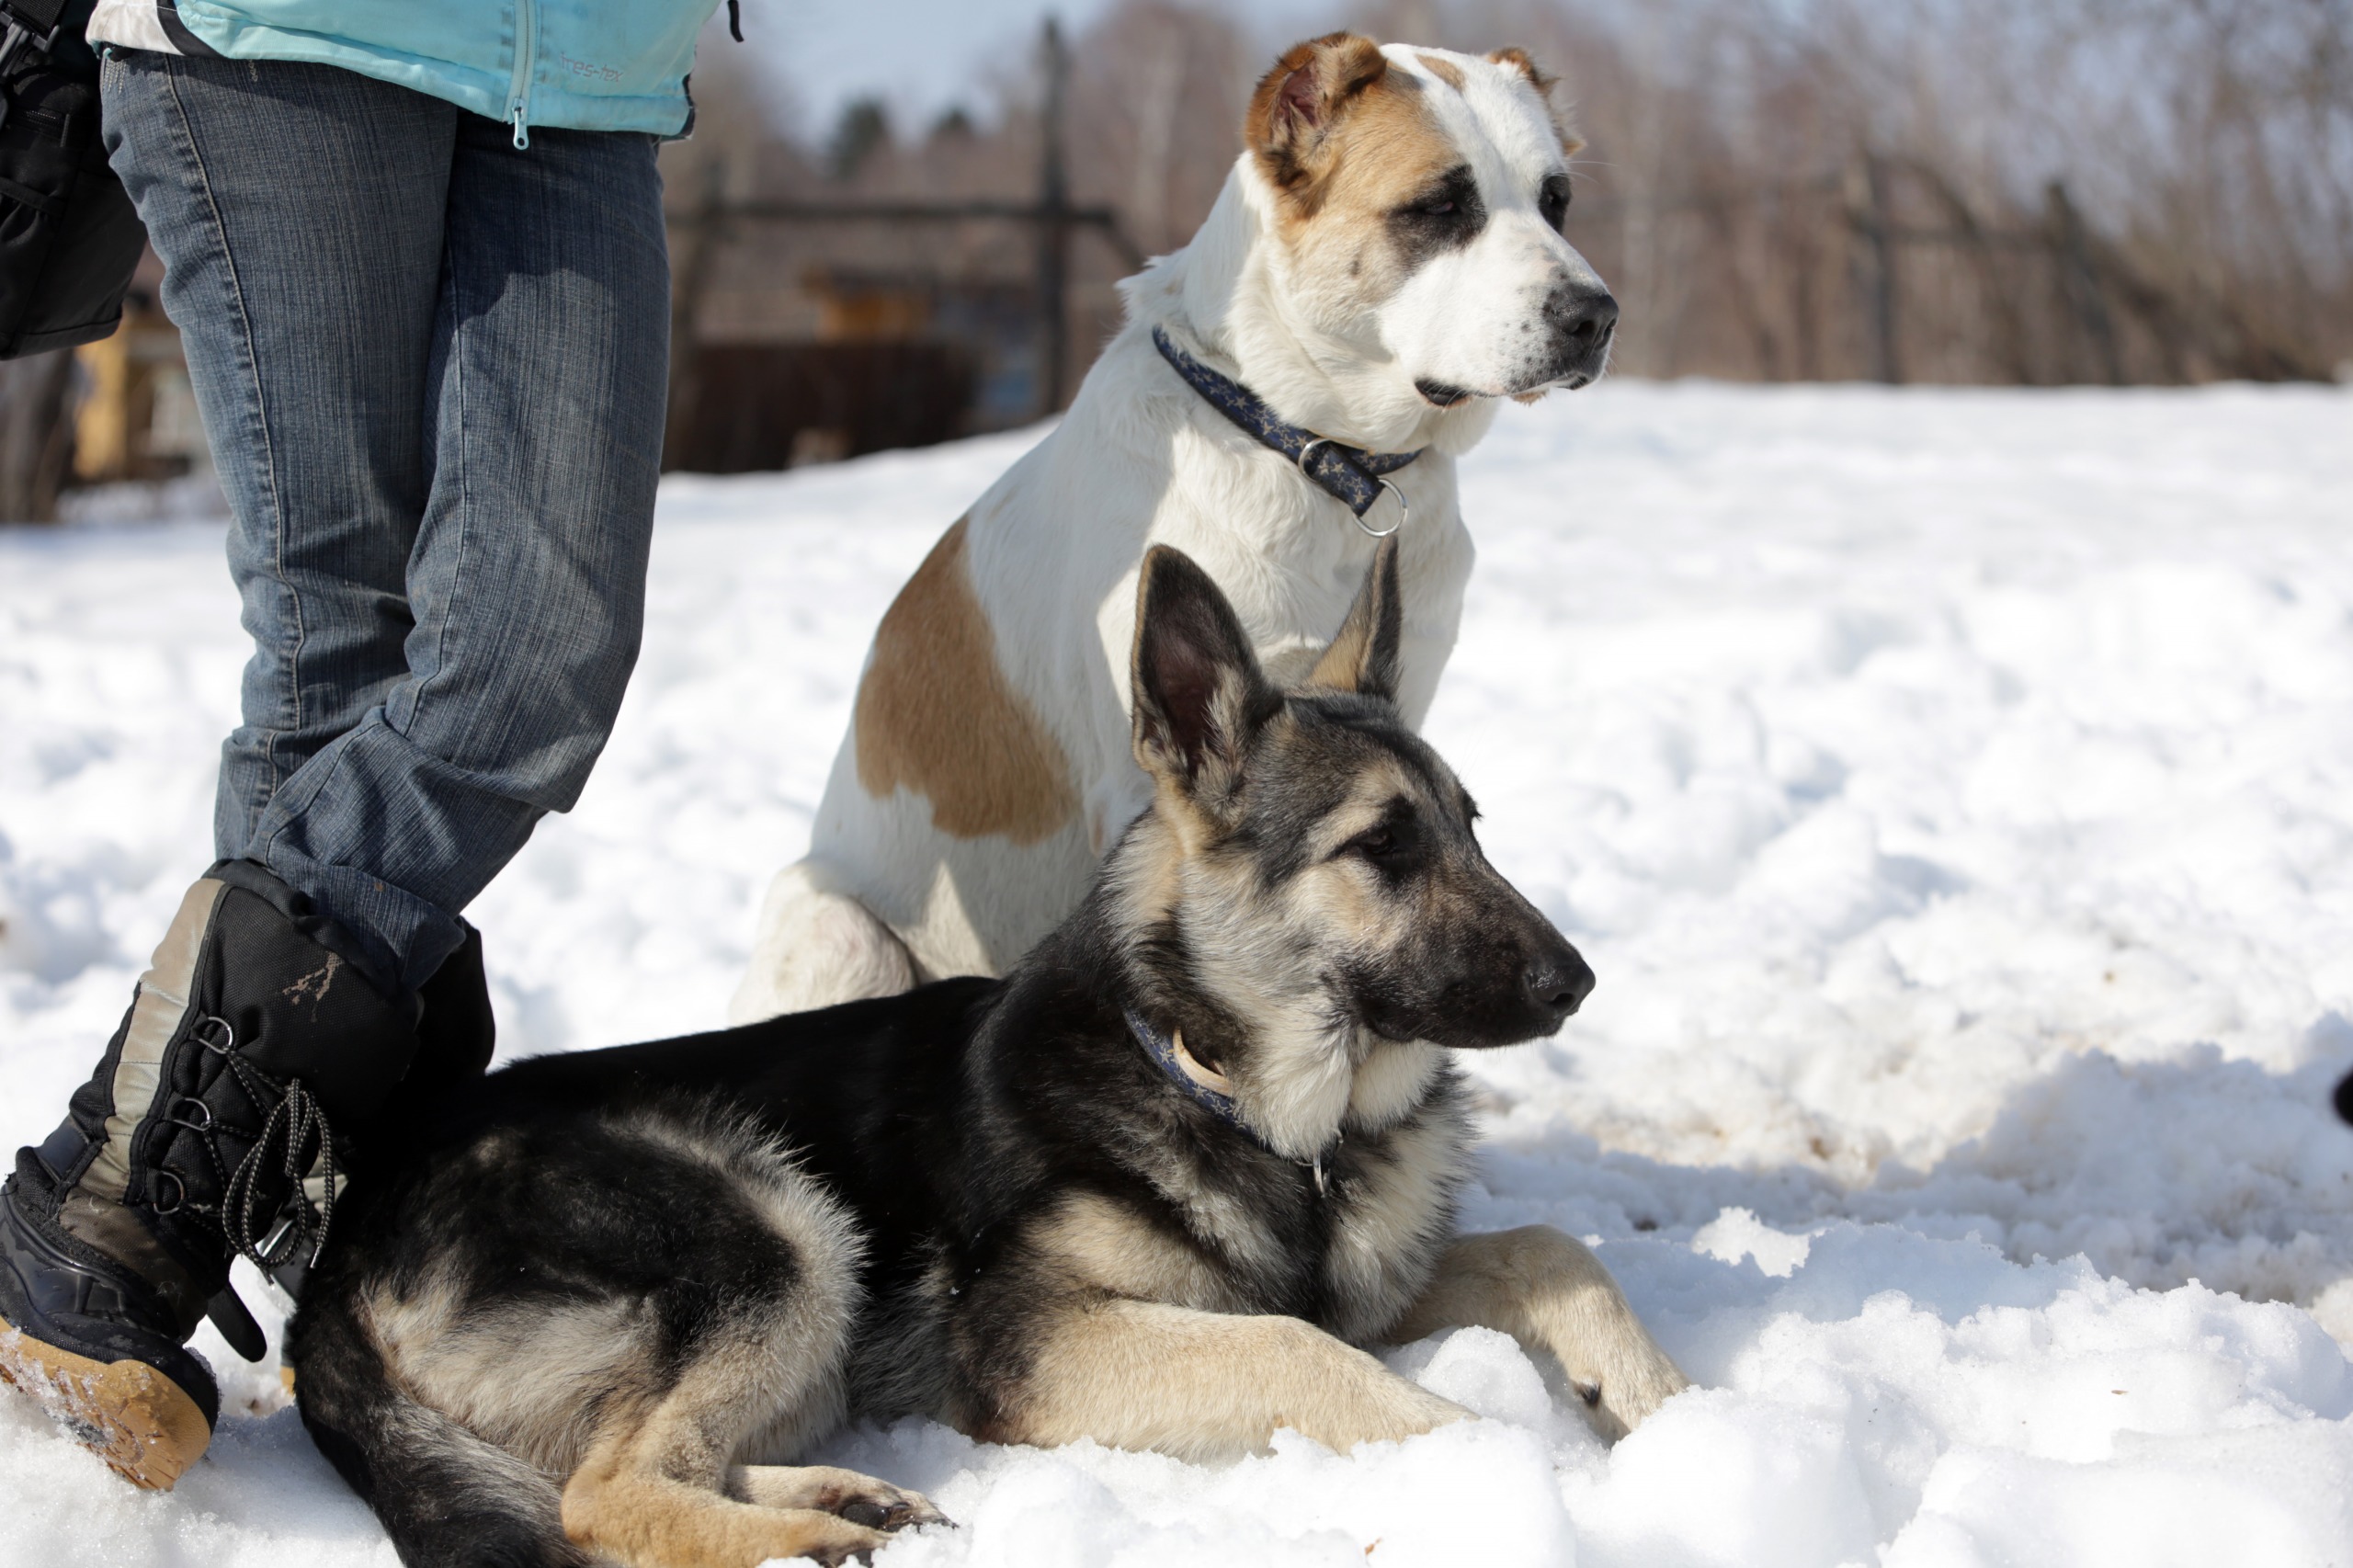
column 141, row 1423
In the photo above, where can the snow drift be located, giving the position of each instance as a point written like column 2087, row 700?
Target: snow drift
column 1953, row 791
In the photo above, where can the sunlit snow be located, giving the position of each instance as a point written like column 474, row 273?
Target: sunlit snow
column 1953, row 791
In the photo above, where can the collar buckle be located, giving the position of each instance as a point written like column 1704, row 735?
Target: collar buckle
column 1351, row 476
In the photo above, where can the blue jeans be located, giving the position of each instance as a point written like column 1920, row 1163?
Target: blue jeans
column 432, row 369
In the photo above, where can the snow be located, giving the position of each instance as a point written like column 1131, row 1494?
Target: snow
column 1953, row 790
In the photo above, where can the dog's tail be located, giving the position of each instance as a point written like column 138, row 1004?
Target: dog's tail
column 444, row 1496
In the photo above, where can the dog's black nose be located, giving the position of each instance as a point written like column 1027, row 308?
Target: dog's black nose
column 1557, row 984
column 1582, row 321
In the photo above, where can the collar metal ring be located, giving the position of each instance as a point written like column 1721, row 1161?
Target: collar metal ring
column 1404, row 512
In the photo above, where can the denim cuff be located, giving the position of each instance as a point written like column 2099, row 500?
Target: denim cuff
column 396, row 938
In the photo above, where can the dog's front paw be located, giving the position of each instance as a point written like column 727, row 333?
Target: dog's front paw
column 860, row 1500
column 1613, row 1410
column 1626, row 1391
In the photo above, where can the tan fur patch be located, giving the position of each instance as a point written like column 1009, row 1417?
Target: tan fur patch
column 648, row 1493
column 1364, row 143
column 1208, row 1385
column 1296, row 105
column 1386, row 152
column 936, row 715
column 1148, row 879
column 539, row 1384
column 1550, row 1293
column 1343, row 664
column 1445, row 70
column 1103, row 1246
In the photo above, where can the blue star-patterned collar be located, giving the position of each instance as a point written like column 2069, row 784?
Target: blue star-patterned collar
column 1350, row 474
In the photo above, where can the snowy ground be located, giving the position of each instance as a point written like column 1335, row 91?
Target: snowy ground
column 1953, row 790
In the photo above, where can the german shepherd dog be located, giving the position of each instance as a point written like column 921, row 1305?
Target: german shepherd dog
column 1161, row 1185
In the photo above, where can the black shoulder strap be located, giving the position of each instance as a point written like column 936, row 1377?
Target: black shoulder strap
column 26, row 24
column 37, row 18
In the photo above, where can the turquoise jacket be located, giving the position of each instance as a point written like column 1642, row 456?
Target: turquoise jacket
column 588, row 65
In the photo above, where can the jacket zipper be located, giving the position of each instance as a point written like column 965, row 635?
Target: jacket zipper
column 526, row 45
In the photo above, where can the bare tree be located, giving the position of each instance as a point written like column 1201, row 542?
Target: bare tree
column 2006, row 191
column 36, row 436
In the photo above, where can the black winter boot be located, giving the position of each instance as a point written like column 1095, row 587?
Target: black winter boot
column 204, row 1134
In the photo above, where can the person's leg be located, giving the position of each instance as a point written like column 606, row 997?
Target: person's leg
column 299, row 211
column 278, row 1000
column 526, row 584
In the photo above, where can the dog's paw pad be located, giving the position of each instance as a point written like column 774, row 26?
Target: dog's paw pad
column 913, row 1510
column 891, row 1512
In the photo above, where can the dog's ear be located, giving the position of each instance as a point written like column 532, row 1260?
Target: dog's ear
column 1302, row 97
column 1515, row 59
column 1363, row 657
column 1201, row 698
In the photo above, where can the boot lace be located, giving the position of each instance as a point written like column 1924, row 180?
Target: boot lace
column 293, row 1137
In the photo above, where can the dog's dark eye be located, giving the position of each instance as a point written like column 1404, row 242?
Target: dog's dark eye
column 1447, row 215
column 1388, row 843
column 1553, row 200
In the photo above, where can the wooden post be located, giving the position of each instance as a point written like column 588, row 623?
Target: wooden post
column 2079, row 281
column 36, row 434
column 688, row 284
column 1755, row 317
column 1869, row 212
column 2001, row 303
column 1053, row 230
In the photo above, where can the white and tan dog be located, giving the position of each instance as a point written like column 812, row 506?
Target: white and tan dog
column 1384, row 263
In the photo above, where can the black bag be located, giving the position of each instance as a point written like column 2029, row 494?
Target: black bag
column 69, row 236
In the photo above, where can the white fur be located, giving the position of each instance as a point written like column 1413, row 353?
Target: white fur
column 1055, row 545
column 1461, row 318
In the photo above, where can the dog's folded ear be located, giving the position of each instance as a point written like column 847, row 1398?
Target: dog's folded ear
column 1201, row 698
column 1299, row 101
column 1542, row 80
column 1363, row 658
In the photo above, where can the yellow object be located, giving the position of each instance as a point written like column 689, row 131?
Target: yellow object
column 102, row 426
column 137, row 418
